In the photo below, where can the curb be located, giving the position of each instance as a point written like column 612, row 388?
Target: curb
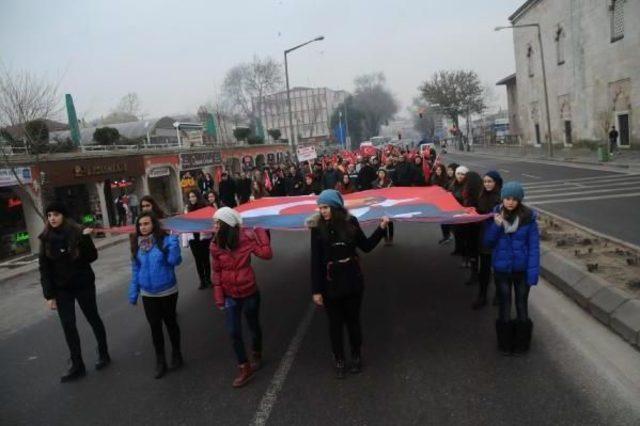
column 628, row 167
column 608, row 304
column 23, row 270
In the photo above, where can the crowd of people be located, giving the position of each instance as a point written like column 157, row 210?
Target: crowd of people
column 505, row 246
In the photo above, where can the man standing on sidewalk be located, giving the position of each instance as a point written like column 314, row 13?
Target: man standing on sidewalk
column 613, row 139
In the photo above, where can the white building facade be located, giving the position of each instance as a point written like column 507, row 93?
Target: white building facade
column 592, row 60
column 311, row 109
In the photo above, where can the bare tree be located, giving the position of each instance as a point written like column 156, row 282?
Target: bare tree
column 456, row 93
column 374, row 101
column 25, row 98
column 245, row 85
column 423, row 117
column 130, row 104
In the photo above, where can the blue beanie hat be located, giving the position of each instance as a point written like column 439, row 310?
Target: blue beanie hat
column 331, row 197
column 493, row 174
column 512, row 189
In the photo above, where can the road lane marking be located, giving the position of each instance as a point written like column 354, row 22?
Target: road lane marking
column 270, row 397
column 593, row 186
column 539, row 185
column 531, row 176
column 505, row 171
column 602, row 197
column 564, row 194
column 586, row 179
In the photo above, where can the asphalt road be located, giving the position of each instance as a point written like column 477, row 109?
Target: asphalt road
column 601, row 199
column 429, row 358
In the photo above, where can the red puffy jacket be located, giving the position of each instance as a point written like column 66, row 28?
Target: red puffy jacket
column 232, row 274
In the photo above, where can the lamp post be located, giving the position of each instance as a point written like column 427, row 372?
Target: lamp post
column 292, row 140
column 544, row 78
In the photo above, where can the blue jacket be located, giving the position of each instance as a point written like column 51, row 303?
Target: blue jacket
column 154, row 271
column 517, row 252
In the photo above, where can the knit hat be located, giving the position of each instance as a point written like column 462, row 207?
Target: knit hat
column 228, row 216
column 462, row 170
column 56, row 206
column 512, row 189
column 331, row 197
column 495, row 176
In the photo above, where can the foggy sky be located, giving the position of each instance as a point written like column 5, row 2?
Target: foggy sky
column 174, row 54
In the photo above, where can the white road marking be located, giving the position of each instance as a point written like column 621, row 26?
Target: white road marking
column 592, row 186
column 271, row 395
column 505, row 171
column 585, row 179
column 602, row 197
column 564, row 194
column 531, row 176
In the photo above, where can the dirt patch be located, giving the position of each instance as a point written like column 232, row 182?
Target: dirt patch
column 613, row 262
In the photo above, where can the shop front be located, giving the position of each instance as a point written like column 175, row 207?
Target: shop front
column 162, row 182
column 14, row 235
column 194, row 165
column 93, row 188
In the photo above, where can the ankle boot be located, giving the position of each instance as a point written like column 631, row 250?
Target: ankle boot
column 356, row 365
column 176, row 360
column 245, row 373
column 504, row 331
column 341, row 369
column 103, row 360
column 161, row 366
column 75, row 372
column 256, row 360
column 522, row 339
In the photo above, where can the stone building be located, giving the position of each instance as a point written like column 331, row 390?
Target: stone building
column 592, row 60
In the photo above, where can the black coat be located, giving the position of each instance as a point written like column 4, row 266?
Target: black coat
column 405, row 174
column 366, row 176
column 331, row 178
column 329, row 277
column 228, row 192
column 293, row 184
column 244, row 189
column 65, row 261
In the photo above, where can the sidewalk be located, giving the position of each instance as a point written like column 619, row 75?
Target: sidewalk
column 624, row 159
column 29, row 263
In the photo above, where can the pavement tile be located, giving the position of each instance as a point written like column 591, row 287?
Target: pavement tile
column 626, row 320
column 605, row 302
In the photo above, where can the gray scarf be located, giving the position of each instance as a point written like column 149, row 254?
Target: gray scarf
column 510, row 228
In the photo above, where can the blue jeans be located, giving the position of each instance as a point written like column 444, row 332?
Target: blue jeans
column 504, row 282
column 233, row 322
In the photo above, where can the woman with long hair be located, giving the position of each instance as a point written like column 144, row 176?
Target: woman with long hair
column 346, row 186
column 336, row 275
column 455, row 187
column 469, row 233
column 149, row 204
column 489, row 199
column 154, row 257
column 439, row 176
column 66, row 254
column 235, row 288
column 199, row 243
column 514, row 237
column 384, row 181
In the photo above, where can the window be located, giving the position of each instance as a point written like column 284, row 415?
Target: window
column 560, row 36
column 617, row 19
column 530, row 60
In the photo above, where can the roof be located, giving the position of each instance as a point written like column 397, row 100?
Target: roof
column 133, row 130
column 507, row 79
column 17, row 131
column 522, row 10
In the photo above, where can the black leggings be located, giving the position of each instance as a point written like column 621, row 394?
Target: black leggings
column 484, row 275
column 201, row 256
column 344, row 311
column 388, row 236
column 159, row 310
column 504, row 282
column 86, row 297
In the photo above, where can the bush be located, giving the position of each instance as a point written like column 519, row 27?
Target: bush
column 106, row 136
column 255, row 140
column 241, row 133
column 275, row 134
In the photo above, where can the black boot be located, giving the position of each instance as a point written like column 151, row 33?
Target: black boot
column 504, row 331
column 161, row 366
column 176, row 360
column 522, row 340
column 356, row 364
column 103, row 360
column 75, row 372
column 341, row 369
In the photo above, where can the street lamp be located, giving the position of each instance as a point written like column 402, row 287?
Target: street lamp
column 544, row 77
column 292, row 142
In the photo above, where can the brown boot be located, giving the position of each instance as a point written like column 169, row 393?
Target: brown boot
column 256, row 360
column 245, row 373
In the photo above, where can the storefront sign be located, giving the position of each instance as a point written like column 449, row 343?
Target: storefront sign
column 73, row 172
column 195, row 160
column 157, row 172
column 8, row 178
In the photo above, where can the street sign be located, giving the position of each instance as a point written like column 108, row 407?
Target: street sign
column 307, row 153
column 159, row 172
column 7, row 178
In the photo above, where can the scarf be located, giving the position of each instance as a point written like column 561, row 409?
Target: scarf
column 145, row 243
column 510, row 228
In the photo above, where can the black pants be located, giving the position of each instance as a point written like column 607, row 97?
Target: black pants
column 159, row 310
column 86, row 297
column 504, row 283
column 344, row 311
column 202, row 258
column 233, row 321
column 484, row 274
column 446, row 231
column 388, row 236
